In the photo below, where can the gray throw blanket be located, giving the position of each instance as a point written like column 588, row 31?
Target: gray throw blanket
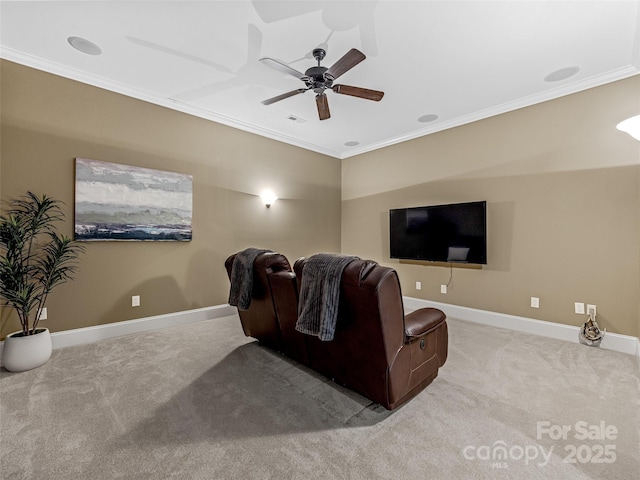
column 320, row 294
column 242, row 277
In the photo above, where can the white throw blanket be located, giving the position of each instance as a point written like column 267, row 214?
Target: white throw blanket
column 320, row 294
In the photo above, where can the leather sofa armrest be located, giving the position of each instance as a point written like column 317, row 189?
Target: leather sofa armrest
column 285, row 298
column 271, row 262
column 282, row 275
column 422, row 321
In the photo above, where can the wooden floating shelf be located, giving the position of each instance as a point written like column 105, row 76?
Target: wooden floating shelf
column 471, row 266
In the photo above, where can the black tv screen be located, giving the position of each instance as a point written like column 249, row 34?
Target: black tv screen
column 455, row 233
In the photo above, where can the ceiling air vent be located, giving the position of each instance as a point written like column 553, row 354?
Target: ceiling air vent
column 293, row 118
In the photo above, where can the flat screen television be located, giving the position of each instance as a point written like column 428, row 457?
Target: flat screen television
column 455, row 233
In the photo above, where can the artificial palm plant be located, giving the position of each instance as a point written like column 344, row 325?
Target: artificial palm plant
column 35, row 258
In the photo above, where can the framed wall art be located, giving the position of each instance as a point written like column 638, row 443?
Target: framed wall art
column 122, row 202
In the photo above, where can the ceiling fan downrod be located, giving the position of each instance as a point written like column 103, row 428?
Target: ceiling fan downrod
column 318, row 82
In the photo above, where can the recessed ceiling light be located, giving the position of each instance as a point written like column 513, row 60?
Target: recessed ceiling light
column 427, row 118
column 351, row 144
column 85, row 46
column 561, row 74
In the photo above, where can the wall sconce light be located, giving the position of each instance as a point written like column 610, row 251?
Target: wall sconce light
column 631, row 126
column 268, row 197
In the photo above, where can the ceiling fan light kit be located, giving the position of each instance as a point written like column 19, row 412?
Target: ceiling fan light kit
column 319, row 79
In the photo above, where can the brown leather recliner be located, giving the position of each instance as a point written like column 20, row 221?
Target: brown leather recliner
column 260, row 320
column 377, row 350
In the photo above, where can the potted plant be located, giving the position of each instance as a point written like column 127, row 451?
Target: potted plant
column 35, row 259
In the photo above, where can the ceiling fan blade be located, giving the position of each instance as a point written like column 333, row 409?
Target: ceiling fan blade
column 374, row 95
column 283, row 67
column 283, row 96
column 323, row 106
column 347, row 62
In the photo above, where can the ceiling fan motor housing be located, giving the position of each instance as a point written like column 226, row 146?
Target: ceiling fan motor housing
column 317, row 80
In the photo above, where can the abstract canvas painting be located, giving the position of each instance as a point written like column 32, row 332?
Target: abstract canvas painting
column 122, row 202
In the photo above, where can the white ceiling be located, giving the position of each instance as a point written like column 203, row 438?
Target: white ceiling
column 461, row 61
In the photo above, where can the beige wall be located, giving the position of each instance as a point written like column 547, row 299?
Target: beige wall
column 47, row 121
column 563, row 191
column 562, row 185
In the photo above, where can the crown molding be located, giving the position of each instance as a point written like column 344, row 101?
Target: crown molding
column 523, row 102
column 170, row 103
column 101, row 82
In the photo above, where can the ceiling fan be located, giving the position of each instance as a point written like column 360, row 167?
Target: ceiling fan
column 319, row 79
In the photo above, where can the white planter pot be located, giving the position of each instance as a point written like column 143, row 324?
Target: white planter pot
column 24, row 353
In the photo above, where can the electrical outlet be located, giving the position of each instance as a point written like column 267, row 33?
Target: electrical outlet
column 135, row 301
column 443, row 289
column 535, row 302
column 418, row 285
column 43, row 314
column 591, row 308
column 579, row 308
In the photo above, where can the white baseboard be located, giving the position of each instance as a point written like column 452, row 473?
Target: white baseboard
column 79, row 336
column 569, row 333
column 85, row 335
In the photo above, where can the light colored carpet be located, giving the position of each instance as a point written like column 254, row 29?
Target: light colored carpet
column 204, row 402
